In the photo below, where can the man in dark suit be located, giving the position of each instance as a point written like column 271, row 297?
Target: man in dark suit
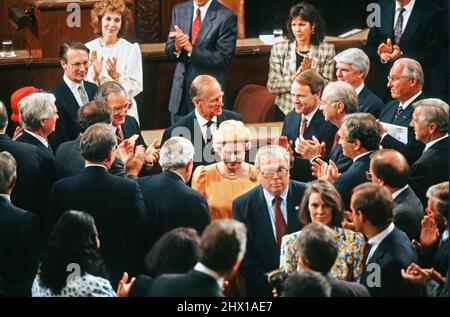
column 389, row 168
column 338, row 100
column 202, row 40
column 352, row 66
column 115, row 203
column 38, row 118
column 190, row 208
column 29, row 162
column 19, row 237
column 306, row 121
column 405, row 81
column 222, row 249
column 72, row 91
column 388, row 249
column 318, row 249
column 199, row 125
column 408, row 28
column 430, row 123
column 269, row 212
column 359, row 136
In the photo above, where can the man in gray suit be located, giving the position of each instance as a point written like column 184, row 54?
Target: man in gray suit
column 202, row 40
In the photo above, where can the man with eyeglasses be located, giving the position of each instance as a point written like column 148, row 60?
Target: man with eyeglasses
column 270, row 212
column 405, row 81
column 72, row 91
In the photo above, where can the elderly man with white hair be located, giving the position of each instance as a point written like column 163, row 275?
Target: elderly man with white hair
column 352, row 66
column 169, row 202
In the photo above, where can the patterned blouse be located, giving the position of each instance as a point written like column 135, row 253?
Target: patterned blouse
column 84, row 286
column 348, row 265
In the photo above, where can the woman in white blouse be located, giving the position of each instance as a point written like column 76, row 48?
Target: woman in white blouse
column 114, row 58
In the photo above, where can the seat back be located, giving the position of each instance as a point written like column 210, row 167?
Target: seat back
column 237, row 6
column 255, row 103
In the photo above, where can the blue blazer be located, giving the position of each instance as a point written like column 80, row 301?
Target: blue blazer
column 318, row 127
column 117, row 206
column 392, row 255
column 262, row 254
column 212, row 52
column 66, row 125
column 369, row 102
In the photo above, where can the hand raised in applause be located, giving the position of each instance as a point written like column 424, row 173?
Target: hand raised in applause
column 123, row 289
column 309, row 149
column 97, row 64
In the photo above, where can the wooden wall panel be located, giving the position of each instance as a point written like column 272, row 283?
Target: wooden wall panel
column 7, row 31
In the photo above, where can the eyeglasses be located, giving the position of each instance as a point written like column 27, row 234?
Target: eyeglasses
column 396, row 79
column 281, row 172
column 368, row 175
column 86, row 64
column 119, row 109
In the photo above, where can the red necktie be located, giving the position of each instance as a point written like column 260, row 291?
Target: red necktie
column 280, row 224
column 119, row 135
column 303, row 126
column 196, row 26
column 335, row 142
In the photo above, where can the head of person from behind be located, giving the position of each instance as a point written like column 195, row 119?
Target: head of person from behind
column 74, row 59
column 306, row 90
column 273, row 164
column 38, row 113
column 110, row 19
column 98, row 145
column 177, row 155
column 305, row 25
column 321, row 203
column 116, row 97
column 74, row 239
column 207, row 96
column 231, row 141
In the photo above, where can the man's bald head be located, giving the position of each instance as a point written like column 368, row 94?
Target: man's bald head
column 391, row 167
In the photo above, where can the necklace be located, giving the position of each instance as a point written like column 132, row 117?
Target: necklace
column 302, row 54
column 102, row 44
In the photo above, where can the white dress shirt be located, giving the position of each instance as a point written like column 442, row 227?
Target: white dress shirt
column 398, row 192
column 73, row 86
column 429, row 144
column 202, row 122
column 40, row 139
column 406, row 14
column 201, row 268
column 376, row 240
column 203, row 10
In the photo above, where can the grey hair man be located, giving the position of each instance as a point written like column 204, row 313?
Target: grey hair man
column 352, row 66
column 269, row 211
column 222, row 249
column 175, row 204
column 430, row 123
column 19, row 241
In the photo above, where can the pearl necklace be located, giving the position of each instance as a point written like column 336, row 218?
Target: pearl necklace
column 102, row 44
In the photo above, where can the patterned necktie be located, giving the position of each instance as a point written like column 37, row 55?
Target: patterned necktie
column 208, row 131
column 399, row 26
column 50, row 149
column 280, row 224
column 83, row 94
column 398, row 115
column 303, row 126
column 119, row 135
column 196, row 26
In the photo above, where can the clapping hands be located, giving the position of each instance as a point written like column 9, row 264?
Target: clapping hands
column 389, row 52
column 181, row 40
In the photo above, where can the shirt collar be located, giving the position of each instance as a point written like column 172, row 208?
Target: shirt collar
column 376, row 240
column 430, row 144
column 72, row 85
column 7, row 197
column 445, row 235
column 410, row 100
column 398, row 192
column 202, row 121
column 96, row 165
column 407, row 7
column 269, row 197
column 203, row 9
column 199, row 267
column 310, row 116
column 41, row 139
column 361, row 155
column 359, row 88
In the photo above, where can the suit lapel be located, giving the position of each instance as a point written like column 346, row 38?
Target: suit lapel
column 291, row 209
column 406, row 116
column 207, row 24
column 389, row 13
column 265, row 225
column 411, row 27
column 315, row 122
column 186, row 23
column 70, row 101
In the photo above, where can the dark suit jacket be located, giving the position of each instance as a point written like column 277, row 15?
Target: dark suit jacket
column 341, row 288
column 342, row 162
column 19, row 249
column 191, row 284
column 408, row 213
column 189, row 128
column 369, row 102
column 394, row 253
column 66, row 125
column 117, row 207
column 130, row 128
column 420, row 41
column 318, row 127
column 170, row 204
column 430, row 169
column 413, row 148
column 355, row 175
column 47, row 174
column 26, row 192
column 212, row 51
column 263, row 254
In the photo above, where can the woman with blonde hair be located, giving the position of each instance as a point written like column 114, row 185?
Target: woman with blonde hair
column 114, row 58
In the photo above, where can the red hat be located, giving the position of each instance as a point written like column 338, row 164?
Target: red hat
column 16, row 97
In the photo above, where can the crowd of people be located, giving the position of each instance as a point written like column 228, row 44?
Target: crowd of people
column 350, row 201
